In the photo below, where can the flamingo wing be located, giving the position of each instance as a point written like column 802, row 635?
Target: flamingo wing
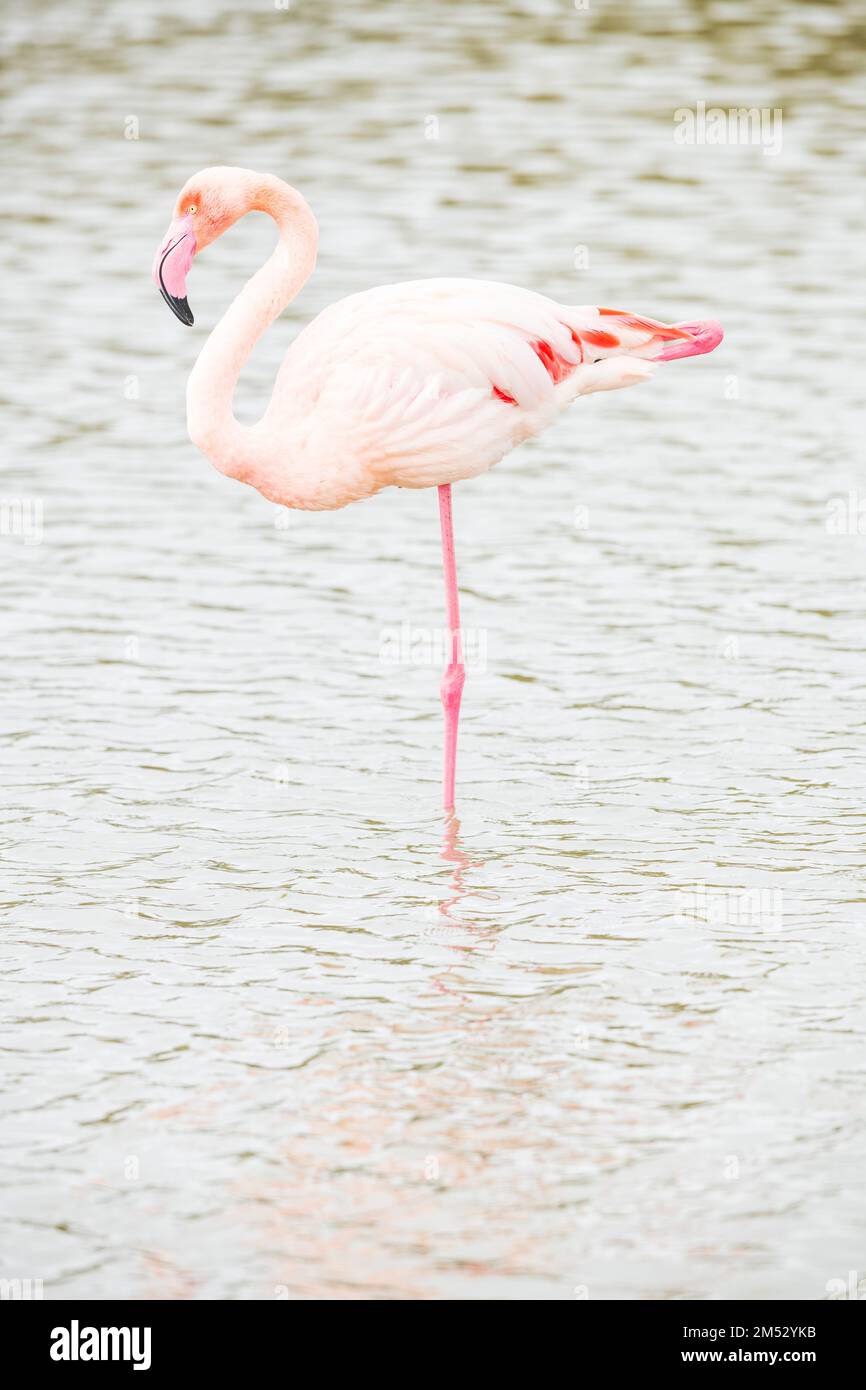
column 431, row 381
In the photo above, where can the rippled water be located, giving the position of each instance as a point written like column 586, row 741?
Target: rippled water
column 270, row 1025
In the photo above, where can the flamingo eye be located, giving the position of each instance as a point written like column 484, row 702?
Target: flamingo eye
column 192, row 208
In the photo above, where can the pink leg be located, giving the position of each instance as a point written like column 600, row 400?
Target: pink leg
column 455, row 674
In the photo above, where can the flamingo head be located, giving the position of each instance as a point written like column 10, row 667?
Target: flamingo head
column 206, row 206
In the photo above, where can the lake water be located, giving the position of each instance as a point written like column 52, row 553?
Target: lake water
column 271, row 1026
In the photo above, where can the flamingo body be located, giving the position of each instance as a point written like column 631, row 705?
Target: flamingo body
column 413, row 385
column 432, row 381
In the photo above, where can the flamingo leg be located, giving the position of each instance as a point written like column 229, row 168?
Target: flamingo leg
column 451, row 689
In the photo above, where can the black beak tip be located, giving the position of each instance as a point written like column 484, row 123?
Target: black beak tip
column 179, row 307
column 183, row 311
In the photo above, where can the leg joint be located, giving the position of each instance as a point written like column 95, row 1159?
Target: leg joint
column 451, row 688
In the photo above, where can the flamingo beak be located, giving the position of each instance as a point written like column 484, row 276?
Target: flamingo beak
column 171, row 265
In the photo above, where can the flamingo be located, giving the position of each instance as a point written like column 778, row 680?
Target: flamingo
column 411, row 385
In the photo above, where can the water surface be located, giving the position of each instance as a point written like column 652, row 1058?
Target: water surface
column 271, row 1026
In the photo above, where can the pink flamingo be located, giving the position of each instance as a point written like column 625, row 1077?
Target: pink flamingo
column 412, row 385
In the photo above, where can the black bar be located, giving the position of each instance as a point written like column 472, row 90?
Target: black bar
column 239, row 1337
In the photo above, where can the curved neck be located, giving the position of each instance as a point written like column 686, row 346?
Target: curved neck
column 210, row 390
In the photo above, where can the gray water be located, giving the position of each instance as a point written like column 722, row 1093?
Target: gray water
column 271, row 1026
